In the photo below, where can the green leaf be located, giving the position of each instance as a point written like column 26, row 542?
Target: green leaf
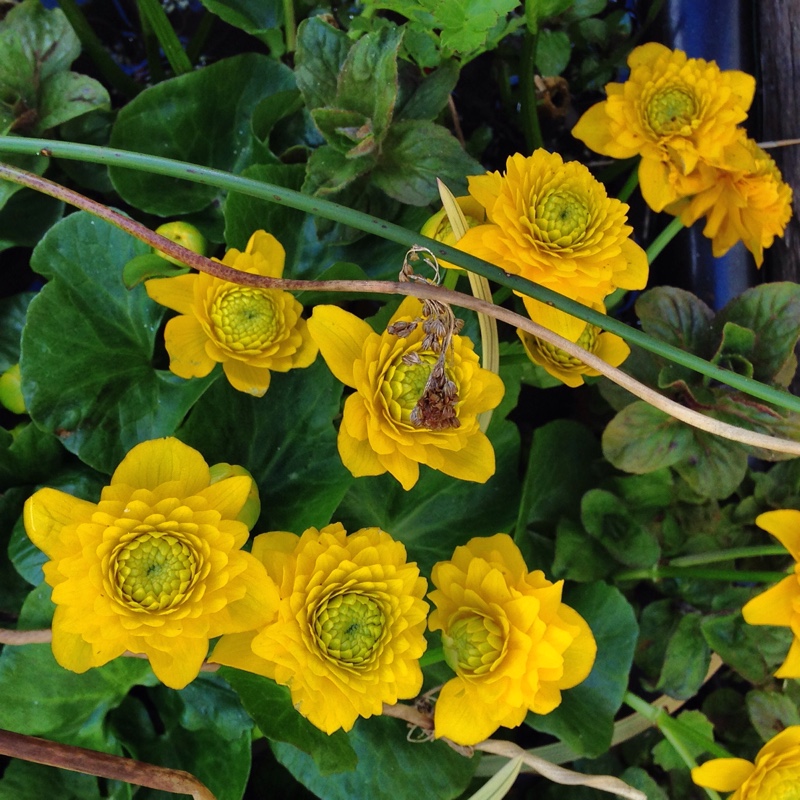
column 431, row 95
column 34, row 45
column 148, row 265
column 209, row 704
column 24, row 780
column 665, row 755
column 771, row 712
column 165, row 119
column 26, row 218
column 736, row 349
column 579, row 557
column 285, row 439
column 560, row 470
column 553, row 51
column 686, row 659
column 321, row 53
column 714, row 467
column 12, row 319
column 429, row 519
column 349, row 132
column 642, row 439
column 586, row 8
column 87, row 348
column 608, row 520
column 328, row 171
column 676, row 317
column 657, row 623
column 414, row 154
column 585, row 718
column 13, row 589
column 754, row 652
column 39, row 697
column 35, row 164
column 639, row 779
column 67, row 95
column 270, row 705
column 552, row 8
column 772, row 312
column 390, row 767
column 253, row 16
column 27, row 455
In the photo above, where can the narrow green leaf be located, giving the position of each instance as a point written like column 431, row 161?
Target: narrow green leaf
column 252, row 16
column 686, row 659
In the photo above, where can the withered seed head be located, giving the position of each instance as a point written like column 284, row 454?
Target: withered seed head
column 402, row 329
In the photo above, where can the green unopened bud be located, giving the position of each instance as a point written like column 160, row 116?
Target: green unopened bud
column 184, row 234
column 251, row 510
column 10, row 392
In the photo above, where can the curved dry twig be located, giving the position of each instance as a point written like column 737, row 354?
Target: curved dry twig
column 103, row 765
column 422, row 291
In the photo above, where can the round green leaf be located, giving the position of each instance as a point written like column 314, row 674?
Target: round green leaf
column 87, row 348
column 202, row 117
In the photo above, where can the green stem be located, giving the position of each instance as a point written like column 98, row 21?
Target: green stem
column 679, row 735
column 290, row 24
column 630, row 184
column 432, row 656
column 387, row 230
column 200, row 36
column 663, row 239
column 151, row 50
column 530, row 113
column 657, row 573
column 156, row 17
column 728, row 555
column 90, row 42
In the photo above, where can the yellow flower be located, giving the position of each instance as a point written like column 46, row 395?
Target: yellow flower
column 752, row 206
column 775, row 775
column 780, row 605
column 250, row 331
column 396, row 419
column 608, row 346
column 554, row 224
column 511, row 641
column 438, row 226
column 674, row 112
column 350, row 627
column 155, row 567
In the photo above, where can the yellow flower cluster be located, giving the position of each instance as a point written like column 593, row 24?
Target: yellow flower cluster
column 510, row 640
column 350, row 626
column 250, row 331
column 399, row 416
column 775, row 775
column 156, row 567
column 682, row 116
column 780, row 605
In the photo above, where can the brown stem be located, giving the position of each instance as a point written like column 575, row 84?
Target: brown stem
column 104, row 765
column 420, row 290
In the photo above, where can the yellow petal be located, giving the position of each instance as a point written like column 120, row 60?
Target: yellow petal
column 459, row 715
column 340, row 337
column 176, row 293
column 306, row 354
column 271, row 252
column 787, row 739
column 235, row 650
column 554, row 320
column 357, row 455
column 594, row 130
column 742, row 85
column 258, row 605
column 274, row 550
column 775, row 606
column 791, row 665
column 47, row 512
column 401, row 467
column 580, row 655
column 612, row 349
column 228, row 496
column 185, row 341
column 655, row 185
column 648, row 54
column 246, row 378
column 158, row 461
column 784, row 525
column 181, row 665
column 634, row 276
column 475, row 462
column 723, row 774
column 74, row 653
column 410, row 307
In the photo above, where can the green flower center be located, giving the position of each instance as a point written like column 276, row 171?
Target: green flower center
column 153, row 572
column 405, row 383
column 671, row 110
column 244, row 318
column 561, row 217
column 472, row 644
column 349, row 628
column 587, row 340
